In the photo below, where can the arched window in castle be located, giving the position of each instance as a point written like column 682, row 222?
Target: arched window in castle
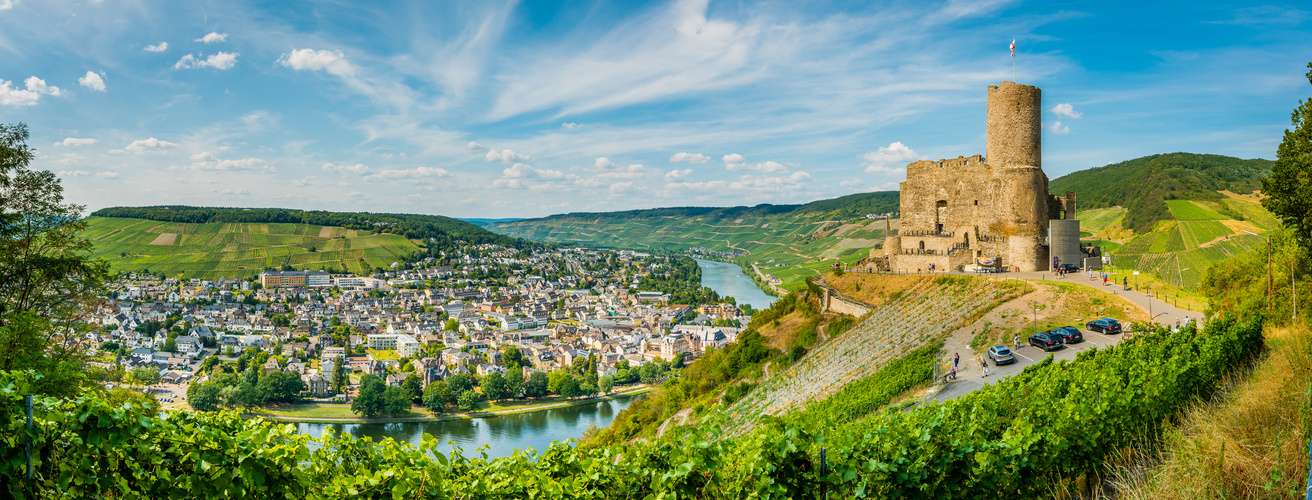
column 940, row 215
column 922, row 244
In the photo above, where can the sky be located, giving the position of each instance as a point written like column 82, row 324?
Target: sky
column 522, row 109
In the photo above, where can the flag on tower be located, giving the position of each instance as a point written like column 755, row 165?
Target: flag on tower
column 1013, row 47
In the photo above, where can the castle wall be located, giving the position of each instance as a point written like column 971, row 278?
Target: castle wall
column 1064, row 241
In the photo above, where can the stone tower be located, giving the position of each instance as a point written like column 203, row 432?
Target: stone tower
column 996, row 208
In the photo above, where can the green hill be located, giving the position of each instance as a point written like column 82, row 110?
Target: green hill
column 791, row 242
column 1144, row 185
column 200, row 242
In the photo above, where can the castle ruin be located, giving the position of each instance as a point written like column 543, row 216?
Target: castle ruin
column 992, row 210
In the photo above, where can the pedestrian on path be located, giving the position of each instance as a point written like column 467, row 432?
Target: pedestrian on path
column 1125, row 282
column 1017, row 340
column 984, row 366
column 1104, row 279
column 956, row 360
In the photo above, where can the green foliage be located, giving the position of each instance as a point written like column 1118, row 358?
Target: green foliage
column 203, row 397
column 494, row 386
column 459, row 383
column 396, row 401
column 536, row 386
column 437, row 396
column 1054, row 421
column 467, row 401
column 605, row 384
column 864, row 395
column 1289, row 190
column 414, row 388
column 369, row 401
column 682, row 281
column 1142, row 185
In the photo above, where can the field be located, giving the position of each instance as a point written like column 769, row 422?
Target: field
column 238, row 249
column 1193, row 210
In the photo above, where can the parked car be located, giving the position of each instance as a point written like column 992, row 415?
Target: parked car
column 1001, row 355
column 1069, row 268
column 1069, row 334
column 1046, row 341
column 1107, row 326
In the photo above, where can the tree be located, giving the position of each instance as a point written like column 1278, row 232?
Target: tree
column 514, row 381
column 459, row 383
column 47, row 277
column 536, row 386
column 279, row 387
column 555, row 379
column 436, row 396
column 569, row 387
column 396, row 401
column 511, row 356
column 1289, row 189
column 468, row 401
column 494, row 387
column 452, row 325
column 369, row 402
column 414, row 388
column 146, row 376
column 170, row 345
column 339, row 374
column 205, row 397
column 605, row 383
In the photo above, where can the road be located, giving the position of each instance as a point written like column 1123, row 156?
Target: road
column 969, row 378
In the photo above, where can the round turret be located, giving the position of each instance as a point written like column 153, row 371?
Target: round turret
column 1015, row 126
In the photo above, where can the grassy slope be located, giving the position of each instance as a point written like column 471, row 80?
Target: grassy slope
column 792, row 242
column 238, row 249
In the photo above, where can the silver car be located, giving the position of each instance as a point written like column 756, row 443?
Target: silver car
column 1001, row 355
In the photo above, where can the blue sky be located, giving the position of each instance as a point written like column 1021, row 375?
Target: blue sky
column 490, row 109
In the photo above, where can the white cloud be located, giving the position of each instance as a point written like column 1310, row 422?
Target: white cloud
column 776, row 184
column 107, row 175
column 736, row 162
column 889, row 160
column 570, row 126
column 73, row 141
column 239, row 192
column 220, row 61
column 851, row 183
column 521, row 170
column 346, row 169
column 506, row 156
column 10, row 96
column 92, row 81
column 150, row 145
column 213, row 37
column 1065, row 109
column 39, row 86
column 7, row 4
column 159, row 47
column 692, row 158
column 1059, row 129
column 677, row 175
column 414, row 173
column 331, row 61
column 475, row 147
column 242, row 165
column 73, row 173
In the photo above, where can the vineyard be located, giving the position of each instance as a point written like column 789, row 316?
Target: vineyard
column 923, row 313
column 1050, row 425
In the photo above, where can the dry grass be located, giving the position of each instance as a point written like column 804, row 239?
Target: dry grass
column 1249, row 442
column 873, row 289
column 781, row 336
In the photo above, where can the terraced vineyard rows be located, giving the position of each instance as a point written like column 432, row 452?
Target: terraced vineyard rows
column 922, row 314
column 238, row 249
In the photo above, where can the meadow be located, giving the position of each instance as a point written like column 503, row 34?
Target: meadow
column 238, row 249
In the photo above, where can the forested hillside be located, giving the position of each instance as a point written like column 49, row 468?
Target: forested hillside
column 1143, row 185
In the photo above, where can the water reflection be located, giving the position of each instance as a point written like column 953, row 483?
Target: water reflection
column 503, row 435
column 728, row 280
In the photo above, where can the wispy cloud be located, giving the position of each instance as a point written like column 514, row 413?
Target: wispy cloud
column 159, row 47
column 219, row 61
column 213, row 37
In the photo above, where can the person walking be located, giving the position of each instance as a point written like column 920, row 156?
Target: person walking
column 984, row 366
column 956, row 360
column 1104, row 279
column 1125, row 282
column 1017, row 342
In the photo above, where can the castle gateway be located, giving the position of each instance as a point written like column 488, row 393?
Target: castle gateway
column 992, row 210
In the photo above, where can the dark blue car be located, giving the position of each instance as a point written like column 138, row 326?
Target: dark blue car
column 1046, row 341
column 1068, row 334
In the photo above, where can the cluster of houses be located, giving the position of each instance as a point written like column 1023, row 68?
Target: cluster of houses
column 451, row 325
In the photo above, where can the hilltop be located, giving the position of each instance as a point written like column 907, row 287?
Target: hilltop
column 791, row 242
column 1144, row 185
column 203, row 242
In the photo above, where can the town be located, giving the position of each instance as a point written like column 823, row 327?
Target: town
column 488, row 310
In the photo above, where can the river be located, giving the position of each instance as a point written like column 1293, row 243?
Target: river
column 503, row 435
column 728, row 280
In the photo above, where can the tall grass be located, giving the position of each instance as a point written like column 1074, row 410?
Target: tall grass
column 1251, row 441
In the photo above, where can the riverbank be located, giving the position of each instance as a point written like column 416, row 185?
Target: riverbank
column 339, row 413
